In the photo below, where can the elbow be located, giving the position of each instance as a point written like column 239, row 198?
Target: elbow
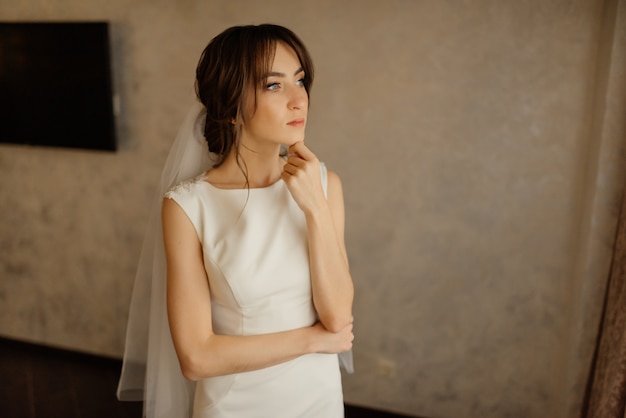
column 335, row 320
column 200, row 360
column 190, row 375
column 335, row 327
column 196, row 367
column 190, row 368
column 335, row 324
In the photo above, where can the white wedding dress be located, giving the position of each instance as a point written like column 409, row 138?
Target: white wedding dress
column 256, row 258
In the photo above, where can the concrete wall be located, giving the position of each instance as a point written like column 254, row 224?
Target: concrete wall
column 481, row 148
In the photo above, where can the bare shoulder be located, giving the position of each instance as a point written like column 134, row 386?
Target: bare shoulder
column 334, row 181
column 334, row 190
column 336, row 203
column 170, row 207
column 174, row 217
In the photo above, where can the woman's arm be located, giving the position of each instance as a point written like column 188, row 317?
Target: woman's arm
column 201, row 352
column 333, row 291
column 331, row 283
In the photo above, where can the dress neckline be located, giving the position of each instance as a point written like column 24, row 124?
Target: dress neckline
column 212, row 186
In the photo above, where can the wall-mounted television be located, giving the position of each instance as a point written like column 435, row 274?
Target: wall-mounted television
column 55, row 85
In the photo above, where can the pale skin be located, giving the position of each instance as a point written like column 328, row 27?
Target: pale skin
column 280, row 118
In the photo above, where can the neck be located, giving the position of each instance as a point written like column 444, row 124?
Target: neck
column 263, row 167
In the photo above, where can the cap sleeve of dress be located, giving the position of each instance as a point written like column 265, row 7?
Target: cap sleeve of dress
column 186, row 195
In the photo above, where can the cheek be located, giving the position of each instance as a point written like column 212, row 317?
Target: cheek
column 270, row 116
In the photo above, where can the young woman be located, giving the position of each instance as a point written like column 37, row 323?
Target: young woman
column 259, row 294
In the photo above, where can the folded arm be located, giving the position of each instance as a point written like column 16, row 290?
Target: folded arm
column 333, row 290
column 331, row 283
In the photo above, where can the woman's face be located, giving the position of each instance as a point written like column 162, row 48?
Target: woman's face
column 281, row 104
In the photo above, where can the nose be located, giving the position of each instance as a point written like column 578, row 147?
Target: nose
column 299, row 98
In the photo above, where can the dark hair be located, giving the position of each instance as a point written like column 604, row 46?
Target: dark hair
column 232, row 66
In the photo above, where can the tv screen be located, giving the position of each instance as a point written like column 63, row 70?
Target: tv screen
column 55, row 85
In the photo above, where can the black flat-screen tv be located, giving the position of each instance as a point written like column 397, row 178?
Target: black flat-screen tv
column 55, row 85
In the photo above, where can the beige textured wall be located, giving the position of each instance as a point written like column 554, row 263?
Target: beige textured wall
column 481, row 147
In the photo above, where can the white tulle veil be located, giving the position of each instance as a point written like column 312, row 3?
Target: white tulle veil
column 150, row 370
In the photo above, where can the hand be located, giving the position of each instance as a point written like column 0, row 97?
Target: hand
column 332, row 342
column 301, row 173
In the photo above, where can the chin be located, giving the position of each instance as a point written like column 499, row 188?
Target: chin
column 289, row 142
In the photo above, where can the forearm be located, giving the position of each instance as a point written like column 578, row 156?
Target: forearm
column 220, row 355
column 331, row 283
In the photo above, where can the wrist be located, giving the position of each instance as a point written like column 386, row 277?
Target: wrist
column 317, row 212
column 310, row 340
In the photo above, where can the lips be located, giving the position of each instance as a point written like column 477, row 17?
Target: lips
column 296, row 122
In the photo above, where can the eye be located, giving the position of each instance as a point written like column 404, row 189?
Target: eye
column 272, row 86
column 301, row 79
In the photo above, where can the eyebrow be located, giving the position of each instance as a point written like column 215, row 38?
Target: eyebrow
column 277, row 74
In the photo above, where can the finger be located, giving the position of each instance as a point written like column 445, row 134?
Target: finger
column 348, row 328
column 296, row 161
column 302, row 151
column 290, row 168
column 287, row 177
